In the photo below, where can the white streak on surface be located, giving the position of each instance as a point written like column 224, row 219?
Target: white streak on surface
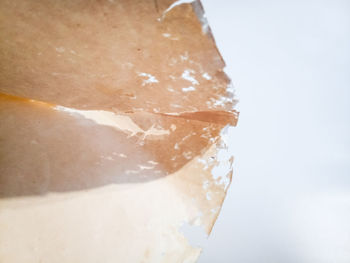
column 176, row 3
column 190, row 88
column 222, row 101
column 150, row 79
column 206, row 76
column 187, row 76
column 156, row 132
column 144, row 167
column 121, row 122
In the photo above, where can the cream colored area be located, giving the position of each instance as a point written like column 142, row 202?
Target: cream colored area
column 120, row 122
column 92, row 226
column 114, row 223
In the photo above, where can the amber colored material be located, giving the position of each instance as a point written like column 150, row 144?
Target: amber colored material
column 111, row 116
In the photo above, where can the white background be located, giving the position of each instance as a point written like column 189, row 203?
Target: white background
column 290, row 64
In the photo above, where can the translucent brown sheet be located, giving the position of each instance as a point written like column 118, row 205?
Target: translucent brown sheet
column 111, row 121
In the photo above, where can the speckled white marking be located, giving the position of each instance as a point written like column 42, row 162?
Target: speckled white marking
column 206, row 76
column 190, row 88
column 144, row 167
column 222, row 101
column 187, row 76
column 222, row 170
column 150, row 79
